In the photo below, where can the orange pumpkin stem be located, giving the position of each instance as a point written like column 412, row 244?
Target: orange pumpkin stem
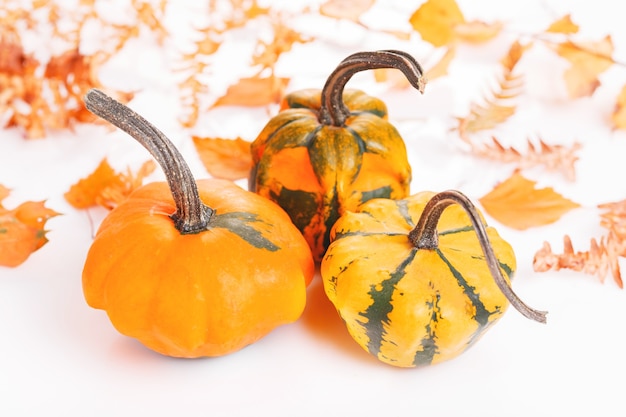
column 333, row 110
column 425, row 236
column 192, row 215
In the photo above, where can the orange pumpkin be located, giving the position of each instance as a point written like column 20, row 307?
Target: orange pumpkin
column 193, row 269
column 328, row 151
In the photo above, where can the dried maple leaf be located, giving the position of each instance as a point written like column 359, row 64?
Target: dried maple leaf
column 441, row 22
column 518, row 204
column 254, row 91
column 588, row 60
column 552, row 157
column 105, row 187
column 564, row 25
column 619, row 114
column 497, row 107
column 267, row 53
column 22, row 230
column 225, row 158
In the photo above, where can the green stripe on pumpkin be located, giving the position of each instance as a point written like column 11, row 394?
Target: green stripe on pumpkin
column 482, row 314
column 377, row 314
column 237, row 222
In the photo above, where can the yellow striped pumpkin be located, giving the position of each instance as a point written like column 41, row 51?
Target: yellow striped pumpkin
column 417, row 281
column 329, row 150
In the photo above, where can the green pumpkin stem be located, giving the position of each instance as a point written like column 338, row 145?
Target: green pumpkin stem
column 192, row 215
column 333, row 110
column 425, row 236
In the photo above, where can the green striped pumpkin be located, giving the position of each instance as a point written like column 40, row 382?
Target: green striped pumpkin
column 418, row 281
column 329, row 150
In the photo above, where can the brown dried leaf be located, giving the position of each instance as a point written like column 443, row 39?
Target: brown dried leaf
column 225, row 158
column 254, row 91
column 516, row 203
column 588, row 60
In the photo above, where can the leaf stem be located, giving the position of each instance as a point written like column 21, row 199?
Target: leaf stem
column 333, row 110
column 192, row 215
column 425, row 236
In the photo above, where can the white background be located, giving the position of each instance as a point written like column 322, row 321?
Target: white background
column 60, row 357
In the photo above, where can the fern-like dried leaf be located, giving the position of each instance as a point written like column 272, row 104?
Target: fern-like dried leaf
column 497, row 106
column 601, row 258
column 557, row 158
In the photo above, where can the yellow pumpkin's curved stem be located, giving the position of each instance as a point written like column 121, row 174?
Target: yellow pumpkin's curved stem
column 333, row 110
column 425, row 236
column 192, row 215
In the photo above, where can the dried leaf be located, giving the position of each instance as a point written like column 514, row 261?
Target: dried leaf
column 516, row 203
column 345, row 9
column 619, row 114
column 22, row 230
column 105, row 187
column 440, row 68
column 436, row 20
column 564, row 25
column 477, row 31
column 441, row 23
column 254, row 91
column 588, row 60
column 225, row 158
column 551, row 157
column 601, row 258
column 497, row 107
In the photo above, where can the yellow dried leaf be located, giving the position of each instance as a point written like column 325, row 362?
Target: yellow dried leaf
column 225, row 158
column 254, row 91
column 345, row 9
column 588, row 60
column 435, row 21
column 477, row 31
column 518, row 204
column 619, row 114
column 564, row 25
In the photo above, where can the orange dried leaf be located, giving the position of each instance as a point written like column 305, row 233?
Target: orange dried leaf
column 22, row 230
column 225, row 158
column 588, row 60
column 551, row 157
column 619, row 114
column 345, row 9
column 105, row 187
column 564, row 25
column 516, row 203
column 440, row 68
column 497, row 107
column 254, row 91
column 436, row 20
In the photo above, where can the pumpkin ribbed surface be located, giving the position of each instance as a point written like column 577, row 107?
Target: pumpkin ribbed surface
column 202, row 294
column 409, row 306
column 317, row 172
